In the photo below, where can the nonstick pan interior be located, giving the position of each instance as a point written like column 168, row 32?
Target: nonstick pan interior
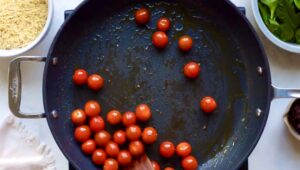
column 102, row 37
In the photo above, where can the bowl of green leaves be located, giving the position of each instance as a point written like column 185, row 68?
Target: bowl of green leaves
column 279, row 20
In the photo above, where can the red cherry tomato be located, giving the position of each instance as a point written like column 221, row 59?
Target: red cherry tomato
column 208, row 104
column 80, row 76
column 99, row 157
column 133, row 132
column 143, row 112
column 112, row 149
column 167, row 149
column 110, row 164
column 136, row 148
column 102, row 138
column 189, row 163
column 119, row 137
column 95, row 82
column 149, row 135
column 124, row 158
column 183, row 149
column 97, row 124
column 185, row 43
column 169, row 168
column 82, row 133
column 92, row 108
column 155, row 165
column 88, row 147
column 128, row 118
column 114, row 117
column 191, row 70
column 142, row 16
column 160, row 39
column 163, row 24
column 78, row 117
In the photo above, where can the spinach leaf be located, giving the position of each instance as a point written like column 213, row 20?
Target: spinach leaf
column 273, row 26
column 286, row 32
column 297, row 36
column 272, row 4
column 287, row 15
column 264, row 12
column 282, row 17
column 297, row 3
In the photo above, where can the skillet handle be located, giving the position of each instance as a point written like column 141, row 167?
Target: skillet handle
column 285, row 93
column 15, row 86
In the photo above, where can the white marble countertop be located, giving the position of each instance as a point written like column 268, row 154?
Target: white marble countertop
column 276, row 150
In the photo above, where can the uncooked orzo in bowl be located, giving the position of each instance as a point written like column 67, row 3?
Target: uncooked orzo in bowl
column 21, row 22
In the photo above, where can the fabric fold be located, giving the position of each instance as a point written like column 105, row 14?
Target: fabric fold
column 20, row 149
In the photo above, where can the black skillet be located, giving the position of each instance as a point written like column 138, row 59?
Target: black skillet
column 102, row 37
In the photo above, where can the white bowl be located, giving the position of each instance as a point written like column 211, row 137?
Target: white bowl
column 15, row 52
column 295, row 48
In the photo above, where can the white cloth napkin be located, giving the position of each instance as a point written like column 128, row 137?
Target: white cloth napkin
column 20, row 150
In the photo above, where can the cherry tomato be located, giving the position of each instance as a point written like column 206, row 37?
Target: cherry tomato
column 169, row 168
column 110, row 164
column 167, row 149
column 95, row 82
column 143, row 112
column 99, row 157
column 183, row 149
column 114, row 117
column 142, row 16
column 163, row 24
column 133, row 132
column 155, row 165
column 80, row 76
column 208, row 104
column 97, row 124
column 88, row 147
column 112, row 149
column 92, row 108
column 128, row 118
column 160, row 39
column 189, row 163
column 119, row 137
column 78, row 117
column 136, row 148
column 191, row 70
column 185, row 43
column 82, row 133
column 102, row 138
column 149, row 135
column 124, row 158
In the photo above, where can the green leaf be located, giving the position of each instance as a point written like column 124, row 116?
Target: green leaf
column 272, row 4
column 286, row 32
column 273, row 26
column 297, row 3
column 297, row 36
column 264, row 12
column 287, row 15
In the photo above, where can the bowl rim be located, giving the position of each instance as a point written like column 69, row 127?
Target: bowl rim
column 18, row 51
column 292, row 47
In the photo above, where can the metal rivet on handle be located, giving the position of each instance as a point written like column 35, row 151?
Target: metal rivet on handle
column 258, row 112
column 259, row 70
column 54, row 60
column 54, row 114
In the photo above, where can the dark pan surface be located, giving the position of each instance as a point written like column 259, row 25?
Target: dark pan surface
column 103, row 38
